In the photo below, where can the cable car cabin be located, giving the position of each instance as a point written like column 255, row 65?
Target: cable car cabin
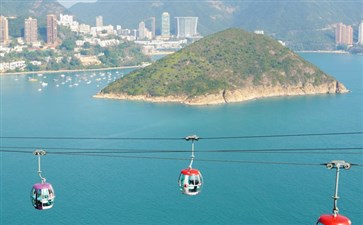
column 190, row 181
column 42, row 196
column 329, row 219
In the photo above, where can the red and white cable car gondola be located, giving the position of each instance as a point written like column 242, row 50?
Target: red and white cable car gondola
column 335, row 218
column 42, row 194
column 190, row 180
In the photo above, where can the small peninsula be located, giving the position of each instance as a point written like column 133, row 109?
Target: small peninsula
column 230, row 66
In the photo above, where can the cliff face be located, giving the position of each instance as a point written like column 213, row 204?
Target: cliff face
column 230, row 66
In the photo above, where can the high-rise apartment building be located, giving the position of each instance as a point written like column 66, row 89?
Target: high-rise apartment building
column 52, row 30
column 360, row 33
column 343, row 34
column 4, row 31
column 186, row 26
column 153, row 26
column 142, row 29
column 165, row 25
column 99, row 21
column 30, row 30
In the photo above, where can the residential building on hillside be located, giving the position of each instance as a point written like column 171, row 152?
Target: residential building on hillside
column 360, row 33
column 52, row 30
column 186, row 27
column 4, row 30
column 165, row 25
column 30, row 30
column 343, row 34
column 142, row 29
column 153, row 26
column 65, row 20
column 99, row 21
column 84, row 28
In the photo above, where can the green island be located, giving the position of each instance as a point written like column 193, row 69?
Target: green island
column 230, row 66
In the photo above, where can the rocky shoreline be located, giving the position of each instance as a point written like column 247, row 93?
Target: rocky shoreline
column 239, row 95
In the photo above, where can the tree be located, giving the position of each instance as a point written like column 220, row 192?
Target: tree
column 86, row 45
column 75, row 62
column 68, row 44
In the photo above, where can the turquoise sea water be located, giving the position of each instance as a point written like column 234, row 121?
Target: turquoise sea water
column 115, row 190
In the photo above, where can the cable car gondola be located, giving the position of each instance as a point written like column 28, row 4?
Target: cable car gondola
column 190, row 180
column 329, row 219
column 335, row 218
column 42, row 194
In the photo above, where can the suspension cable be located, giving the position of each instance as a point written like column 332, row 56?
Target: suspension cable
column 180, row 138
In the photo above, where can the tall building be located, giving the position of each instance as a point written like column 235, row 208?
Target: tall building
column 142, row 29
column 343, row 34
column 360, row 33
column 30, row 30
column 186, row 26
column 52, row 30
column 153, row 26
column 4, row 31
column 165, row 25
column 99, row 21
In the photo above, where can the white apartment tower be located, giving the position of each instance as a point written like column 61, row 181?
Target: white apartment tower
column 165, row 25
column 186, row 26
column 142, row 29
column 99, row 21
column 360, row 33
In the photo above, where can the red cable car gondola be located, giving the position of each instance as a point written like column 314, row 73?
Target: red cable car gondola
column 335, row 218
column 42, row 194
column 329, row 219
column 190, row 180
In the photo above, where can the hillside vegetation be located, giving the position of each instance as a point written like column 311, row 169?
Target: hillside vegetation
column 227, row 61
column 17, row 11
column 304, row 25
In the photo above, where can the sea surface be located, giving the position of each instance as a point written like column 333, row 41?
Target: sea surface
column 141, row 188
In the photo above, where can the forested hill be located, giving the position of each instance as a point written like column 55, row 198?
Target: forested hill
column 226, row 63
column 302, row 24
column 17, row 11
column 34, row 8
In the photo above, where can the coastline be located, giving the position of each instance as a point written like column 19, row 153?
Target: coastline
column 70, row 71
column 324, row 51
column 235, row 96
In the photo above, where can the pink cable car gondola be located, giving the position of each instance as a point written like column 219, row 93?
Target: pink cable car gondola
column 335, row 218
column 190, row 180
column 42, row 194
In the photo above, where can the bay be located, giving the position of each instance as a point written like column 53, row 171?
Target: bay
column 118, row 190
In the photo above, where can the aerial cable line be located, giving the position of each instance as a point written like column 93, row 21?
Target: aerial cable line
column 282, row 135
column 334, row 150
column 91, row 138
column 179, row 138
column 157, row 152
column 177, row 159
column 204, row 160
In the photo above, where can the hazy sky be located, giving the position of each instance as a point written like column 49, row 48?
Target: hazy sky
column 69, row 3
